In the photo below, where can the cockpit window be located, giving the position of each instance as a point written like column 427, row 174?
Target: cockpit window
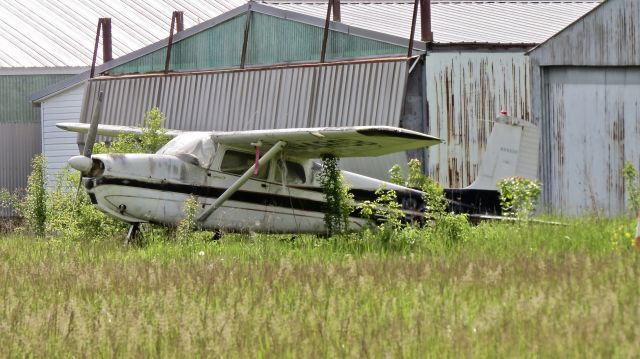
column 294, row 172
column 191, row 146
column 239, row 162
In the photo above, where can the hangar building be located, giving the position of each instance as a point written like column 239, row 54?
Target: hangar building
column 586, row 100
column 475, row 67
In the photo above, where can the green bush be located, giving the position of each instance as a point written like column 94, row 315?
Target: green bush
column 433, row 193
column 34, row 207
column 518, row 196
column 631, row 186
column 153, row 137
column 188, row 225
column 338, row 200
column 70, row 214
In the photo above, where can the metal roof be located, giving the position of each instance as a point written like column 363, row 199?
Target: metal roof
column 60, row 33
column 457, row 21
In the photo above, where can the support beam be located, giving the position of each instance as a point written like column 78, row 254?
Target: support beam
column 336, row 10
column 104, row 25
column 426, row 34
column 325, row 34
column 245, row 39
column 176, row 20
column 273, row 151
column 413, row 28
column 107, row 47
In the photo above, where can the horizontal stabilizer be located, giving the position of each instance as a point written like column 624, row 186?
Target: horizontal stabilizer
column 357, row 141
column 109, row 130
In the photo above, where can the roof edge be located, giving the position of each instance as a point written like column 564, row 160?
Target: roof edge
column 576, row 21
column 25, row 71
column 38, row 96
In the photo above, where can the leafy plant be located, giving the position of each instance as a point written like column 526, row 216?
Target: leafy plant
column 71, row 215
column 433, row 193
column 631, row 186
column 396, row 176
column 188, row 225
column 518, row 196
column 338, row 199
column 34, row 208
column 152, row 138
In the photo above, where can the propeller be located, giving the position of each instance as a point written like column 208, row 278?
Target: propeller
column 84, row 163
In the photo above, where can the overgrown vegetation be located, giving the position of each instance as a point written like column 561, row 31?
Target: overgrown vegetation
column 632, row 187
column 188, row 225
column 34, row 208
column 518, row 196
column 65, row 211
column 339, row 202
column 152, row 138
column 509, row 291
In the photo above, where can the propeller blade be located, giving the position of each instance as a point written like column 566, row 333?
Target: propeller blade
column 93, row 128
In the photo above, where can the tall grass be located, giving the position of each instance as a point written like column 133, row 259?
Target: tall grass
column 507, row 290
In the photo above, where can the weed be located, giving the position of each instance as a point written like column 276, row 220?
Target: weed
column 338, row 201
column 518, row 196
column 632, row 187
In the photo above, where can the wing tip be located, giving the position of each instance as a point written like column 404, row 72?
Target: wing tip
column 397, row 132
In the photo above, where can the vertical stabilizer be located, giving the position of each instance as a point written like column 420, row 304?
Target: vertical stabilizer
column 512, row 150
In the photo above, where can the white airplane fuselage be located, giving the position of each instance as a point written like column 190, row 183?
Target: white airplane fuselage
column 139, row 188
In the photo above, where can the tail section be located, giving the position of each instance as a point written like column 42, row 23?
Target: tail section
column 512, row 150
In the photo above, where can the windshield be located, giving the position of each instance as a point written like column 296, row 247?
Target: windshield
column 197, row 145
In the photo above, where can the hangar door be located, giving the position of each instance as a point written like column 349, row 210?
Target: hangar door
column 590, row 128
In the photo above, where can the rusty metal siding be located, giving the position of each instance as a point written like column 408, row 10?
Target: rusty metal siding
column 19, row 142
column 465, row 92
column 609, row 35
column 585, row 88
column 591, row 128
column 354, row 93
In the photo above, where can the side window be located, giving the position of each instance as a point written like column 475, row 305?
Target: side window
column 239, row 162
column 294, row 172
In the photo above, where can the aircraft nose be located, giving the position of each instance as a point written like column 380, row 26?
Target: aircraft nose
column 81, row 163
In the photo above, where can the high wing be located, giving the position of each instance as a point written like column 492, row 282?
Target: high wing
column 358, row 141
column 109, row 130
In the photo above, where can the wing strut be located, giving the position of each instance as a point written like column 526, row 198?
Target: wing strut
column 273, row 151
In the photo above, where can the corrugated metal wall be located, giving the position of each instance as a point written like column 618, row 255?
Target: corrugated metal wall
column 346, row 94
column 19, row 142
column 585, row 96
column 465, row 92
column 592, row 129
column 608, row 36
column 271, row 40
column 15, row 91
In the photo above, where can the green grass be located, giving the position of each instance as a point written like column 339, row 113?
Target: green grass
column 507, row 290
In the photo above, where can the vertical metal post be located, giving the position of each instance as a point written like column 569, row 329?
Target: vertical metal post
column 325, row 35
column 245, row 39
column 425, row 21
column 179, row 20
column 106, row 40
column 95, row 49
column 413, row 28
column 169, row 45
column 336, row 10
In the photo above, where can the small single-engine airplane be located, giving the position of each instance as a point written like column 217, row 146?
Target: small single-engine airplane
column 239, row 190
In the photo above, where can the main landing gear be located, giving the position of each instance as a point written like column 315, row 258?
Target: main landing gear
column 133, row 234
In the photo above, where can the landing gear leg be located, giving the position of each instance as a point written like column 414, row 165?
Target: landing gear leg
column 134, row 230
column 217, row 234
